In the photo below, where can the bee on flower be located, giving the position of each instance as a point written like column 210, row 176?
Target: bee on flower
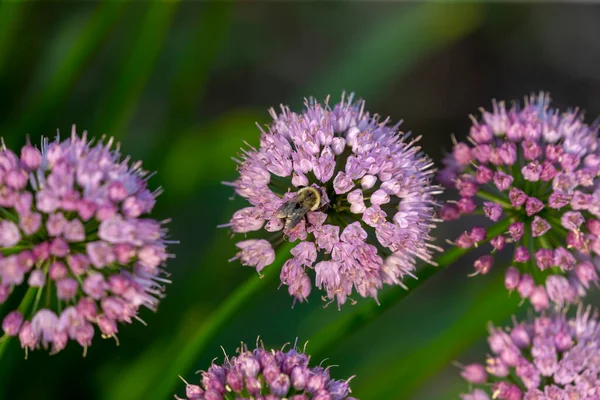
column 351, row 190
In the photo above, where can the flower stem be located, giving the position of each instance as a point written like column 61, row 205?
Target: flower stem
column 362, row 315
column 166, row 382
column 27, row 299
column 7, row 251
column 488, row 196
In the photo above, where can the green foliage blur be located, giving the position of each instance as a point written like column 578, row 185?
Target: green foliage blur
column 181, row 86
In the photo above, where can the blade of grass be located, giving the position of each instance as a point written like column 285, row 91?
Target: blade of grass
column 164, row 380
column 413, row 370
column 144, row 47
column 198, row 56
column 205, row 152
column 192, row 65
column 11, row 14
column 334, row 333
column 56, row 75
column 394, row 45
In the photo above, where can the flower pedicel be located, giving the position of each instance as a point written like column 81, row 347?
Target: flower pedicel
column 367, row 215
column 76, row 237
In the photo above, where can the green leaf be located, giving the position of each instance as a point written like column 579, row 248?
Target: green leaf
column 394, row 45
column 63, row 63
column 144, row 47
column 196, row 49
column 11, row 14
column 401, row 378
column 205, row 152
column 363, row 314
column 197, row 57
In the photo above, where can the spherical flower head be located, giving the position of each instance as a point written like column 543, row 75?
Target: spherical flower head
column 77, row 242
column 551, row 357
column 352, row 191
column 274, row 374
column 537, row 169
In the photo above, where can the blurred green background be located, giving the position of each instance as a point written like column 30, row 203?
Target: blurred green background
column 181, row 85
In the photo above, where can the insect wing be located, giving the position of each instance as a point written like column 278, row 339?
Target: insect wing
column 288, row 209
column 292, row 212
column 294, row 219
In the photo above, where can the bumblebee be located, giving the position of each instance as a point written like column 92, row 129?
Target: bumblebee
column 306, row 199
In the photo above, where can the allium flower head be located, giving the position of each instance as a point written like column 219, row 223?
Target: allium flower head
column 553, row 357
column 268, row 375
column 350, row 189
column 78, row 249
column 538, row 169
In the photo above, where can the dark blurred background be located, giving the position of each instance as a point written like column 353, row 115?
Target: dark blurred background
column 181, row 85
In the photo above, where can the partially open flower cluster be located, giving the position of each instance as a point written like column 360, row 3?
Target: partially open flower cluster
column 74, row 236
column 539, row 169
column 268, row 375
column 376, row 200
column 551, row 358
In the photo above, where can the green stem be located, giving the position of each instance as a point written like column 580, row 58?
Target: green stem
column 488, row 196
column 3, row 344
column 166, row 383
column 544, row 244
column 7, row 251
column 556, row 224
column 27, row 299
column 414, row 368
column 8, row 215
column 362, row 315
column 529, row 242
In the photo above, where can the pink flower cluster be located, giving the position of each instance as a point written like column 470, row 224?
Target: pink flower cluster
column 551, row 358
column 268, row 375
column 376, row 200
column 539, row 169
column 74, row 235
